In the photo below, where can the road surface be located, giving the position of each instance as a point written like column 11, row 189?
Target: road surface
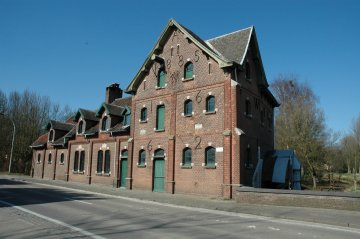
column 30, row 210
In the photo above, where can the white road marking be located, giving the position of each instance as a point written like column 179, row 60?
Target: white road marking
column 80, row 201
column 253, row 227
column 212, row 211
column 82, row 231
column 274, row 229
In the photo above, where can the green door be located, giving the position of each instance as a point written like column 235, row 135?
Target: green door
column 123, row 172
column 159, row 175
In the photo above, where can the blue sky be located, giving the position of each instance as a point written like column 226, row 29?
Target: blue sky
column 71, row 50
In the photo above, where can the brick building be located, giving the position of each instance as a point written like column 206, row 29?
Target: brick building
column 199, row 117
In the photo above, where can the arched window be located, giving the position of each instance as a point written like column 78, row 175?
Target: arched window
column 76, row 161
column 104, row 123
column 247, row 70
column 160, row 117
column 49, row 158
column 99, row 164
column 81, row 127
column 189, row 70
column 159, row 154
column 187, row 157
column 39, row 158
column 210, row 156
column 82, row 161
column 51, row 135
column 142, row 157
column 107, row 162
column 247, row 108
column 188, row 108
column 143, row 114
column 161, row 79
column 124, row 154
column 210, row 104
column 127, row 118
column 62, row 158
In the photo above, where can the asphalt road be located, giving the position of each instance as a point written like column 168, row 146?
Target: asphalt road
column 39, row 211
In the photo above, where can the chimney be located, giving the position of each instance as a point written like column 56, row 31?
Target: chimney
column 113, row 92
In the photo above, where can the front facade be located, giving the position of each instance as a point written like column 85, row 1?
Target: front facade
column 200, row 114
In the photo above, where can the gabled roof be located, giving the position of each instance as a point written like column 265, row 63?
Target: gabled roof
column 56, row 125
column 122, row 102
column 85, row 114
column 110, row 109
column 62, row 141
column 40, row 142
column 232, row 46
column 92, row 131
column 161, row 42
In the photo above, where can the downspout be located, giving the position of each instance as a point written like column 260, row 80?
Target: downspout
column 55, row 161
column 90, row 160
column 43, row 166
column 68, row 161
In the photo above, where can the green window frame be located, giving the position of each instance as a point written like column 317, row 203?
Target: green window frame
column 51, row 135
column 210, row 156
column 160, row 117
column 159, row 154
column 124, row 154
column 143, row 114
column 81, row 127
column 142, row 157
column 107, row 161
column 104, row 123
column 188, row 108
column 210, row 103
column 76, row 161
column 189, row 70
column 126, row 120
column 187, row 157
column 82, row 161
column 161, row 79
column 99, row 164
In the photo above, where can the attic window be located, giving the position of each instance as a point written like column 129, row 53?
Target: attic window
column 161, row 81
column 81, row 127
column 189, row 70
column 104, row 123
column 143, row 115
column 51, row 135
column 126, row 120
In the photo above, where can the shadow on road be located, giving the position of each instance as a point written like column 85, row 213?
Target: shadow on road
column 20, row 193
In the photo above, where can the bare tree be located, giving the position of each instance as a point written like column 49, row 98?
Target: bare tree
column 30, row 113
column 300, row 124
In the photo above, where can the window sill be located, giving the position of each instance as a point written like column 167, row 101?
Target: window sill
column 210, row 166
column 77, row 172
column 143, row 121
column 189, row 115
column 141, row 166
column 186, row 167
column 106, row 174
column 187, row 79
column 159, row 130
column 49, row 162
column 160, row 88
column 210, row 112
column 61, row 163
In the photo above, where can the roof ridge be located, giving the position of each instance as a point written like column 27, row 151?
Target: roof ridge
column 227, row 34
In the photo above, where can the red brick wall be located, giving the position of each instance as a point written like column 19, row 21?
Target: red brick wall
column 61, row 167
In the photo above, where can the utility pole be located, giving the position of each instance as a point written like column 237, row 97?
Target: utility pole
column 12, row 142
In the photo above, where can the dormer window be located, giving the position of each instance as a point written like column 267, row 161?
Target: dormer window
column 51, row 135
column 161, row 79
column 104, row 123
column 189, row 70
column 81, row 127
column 126, row 120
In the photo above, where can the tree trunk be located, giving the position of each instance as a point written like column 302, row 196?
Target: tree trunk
column 314, row 181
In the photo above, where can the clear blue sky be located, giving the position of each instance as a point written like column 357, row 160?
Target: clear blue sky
column 71, row 50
